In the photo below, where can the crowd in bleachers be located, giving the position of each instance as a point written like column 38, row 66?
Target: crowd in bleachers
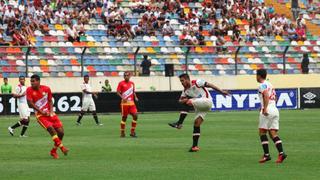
column 23, row 19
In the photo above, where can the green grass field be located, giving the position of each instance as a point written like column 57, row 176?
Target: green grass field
column 230, row 149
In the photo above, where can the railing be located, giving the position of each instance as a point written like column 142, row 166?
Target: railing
column 238, row 57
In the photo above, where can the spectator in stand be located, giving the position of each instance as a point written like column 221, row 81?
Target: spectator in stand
column 251, row 34
column 59, row 16
column 278, row 29
column 200, row 36
column 2, row 41
column 127, row 29
column 138, row 29
column 9, row 15
column 72, row 33
column 236, row 34
column 167, row 29
column 19, row 39
column 191, row 39
column 300, row 21
column 292, row 32
column 301, row 33
column 305, row 64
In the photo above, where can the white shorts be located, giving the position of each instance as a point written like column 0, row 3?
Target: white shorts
column 201, row 106
column 24, row 111
column 88, row 104
column 270, row 122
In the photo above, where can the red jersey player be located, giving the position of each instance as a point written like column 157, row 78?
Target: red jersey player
column 39, row 98
column 126, row 90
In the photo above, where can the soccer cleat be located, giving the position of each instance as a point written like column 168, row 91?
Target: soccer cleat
column 23, row 136
column 54, row 153
column 281, row 158
column 99, row 124
column 78, row 123
column 194, row 149
column 134, row 135
column 10, row 130
column 175, row 125
column 122, row 135
column 265, row 158
column 64, row 150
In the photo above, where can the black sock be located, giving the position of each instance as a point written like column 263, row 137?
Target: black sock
column 24, row 128
column 183, row 115
column 277, row 141
column 265, row 144
column 196, row 135
column 79, row 118
column 18, row 124
column 95, row 117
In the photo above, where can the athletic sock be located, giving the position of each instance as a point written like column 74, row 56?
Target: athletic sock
column 265, row 144
column 79, row 118
column 57, row 141
column 277, row 141
column 95, row 117
column 122, row 126
column 18, row 124
column 196, row 135
column 24, row 128
column 133, row 126
column 183, row 115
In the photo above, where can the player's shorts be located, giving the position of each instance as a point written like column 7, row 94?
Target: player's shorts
column 128, row 109
column 49, row 121
column 24, row 111
column 201, row 106
column 88, row 105
column 270, row 122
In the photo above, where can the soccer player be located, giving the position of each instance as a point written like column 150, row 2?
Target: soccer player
column 195, row 94
column 126, row 91
column 269, row 117
column 23, row 108
column 87, row 101
column 39, row 98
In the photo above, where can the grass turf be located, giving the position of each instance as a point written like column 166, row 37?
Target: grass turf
column 230, row 149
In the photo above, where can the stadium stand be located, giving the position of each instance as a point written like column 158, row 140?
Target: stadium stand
column 57, row 38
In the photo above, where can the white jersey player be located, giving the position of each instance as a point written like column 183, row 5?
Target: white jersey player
column 195, row 94
column 269, row 117
column 87, row 101
column 23, row 108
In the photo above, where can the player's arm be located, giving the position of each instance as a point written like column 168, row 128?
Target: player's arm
column 210, row 85
column 265, row 102
column 134, row 93
column 33, row 106
column 183, row 100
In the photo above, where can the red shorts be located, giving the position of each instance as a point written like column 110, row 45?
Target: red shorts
column 47, row 121
column 128, row 109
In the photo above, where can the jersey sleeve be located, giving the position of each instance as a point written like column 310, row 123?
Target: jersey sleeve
column 200, row 83
column 119, row 88
column 18, row 90
column 183, row 95
column 83, row 87
column 262, row 88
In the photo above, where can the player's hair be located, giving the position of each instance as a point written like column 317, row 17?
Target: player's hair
column 186, row 76
column 21, row 76
column 5, row 78
column 86, row 75
column 36, row 77
column 262, row 73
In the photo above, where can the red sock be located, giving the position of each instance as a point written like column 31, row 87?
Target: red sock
column 57, row 141
column 133, row 125
column 122, row 126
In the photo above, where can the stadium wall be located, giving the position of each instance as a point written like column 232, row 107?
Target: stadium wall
column 163, row 83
